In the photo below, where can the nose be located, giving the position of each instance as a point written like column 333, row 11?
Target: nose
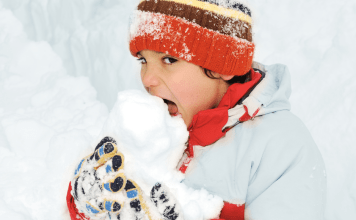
column 149, row 76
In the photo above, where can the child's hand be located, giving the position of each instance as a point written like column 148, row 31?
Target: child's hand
column 99, row 179
column 90, row 181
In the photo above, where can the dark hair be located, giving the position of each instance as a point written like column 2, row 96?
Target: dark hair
column 235, row 79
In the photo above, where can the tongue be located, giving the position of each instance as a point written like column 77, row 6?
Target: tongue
column 172, row 108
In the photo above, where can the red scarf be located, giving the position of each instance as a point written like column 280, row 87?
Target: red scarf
column 207, row 126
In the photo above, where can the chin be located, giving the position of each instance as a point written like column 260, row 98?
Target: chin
column 187, row 122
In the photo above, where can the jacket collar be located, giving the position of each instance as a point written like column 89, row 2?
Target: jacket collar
column 208, row 126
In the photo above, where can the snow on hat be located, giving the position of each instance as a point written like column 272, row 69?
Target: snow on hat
column 213, row 34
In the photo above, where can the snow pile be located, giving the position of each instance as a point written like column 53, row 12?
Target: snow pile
column 47, row 120
column 152, row 143
column 91, row 37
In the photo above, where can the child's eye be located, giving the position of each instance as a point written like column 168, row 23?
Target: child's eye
column 142, row 60
column 169, row 60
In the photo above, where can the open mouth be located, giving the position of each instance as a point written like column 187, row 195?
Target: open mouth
column 172, row 107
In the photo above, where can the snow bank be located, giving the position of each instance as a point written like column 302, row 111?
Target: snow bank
column 90, row 36
column 47, row 121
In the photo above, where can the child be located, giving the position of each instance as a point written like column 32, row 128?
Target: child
column 244, row 144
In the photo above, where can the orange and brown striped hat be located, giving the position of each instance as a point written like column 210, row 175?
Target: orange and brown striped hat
column 214, row 34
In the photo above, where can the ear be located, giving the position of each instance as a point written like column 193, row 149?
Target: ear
column 224, row 77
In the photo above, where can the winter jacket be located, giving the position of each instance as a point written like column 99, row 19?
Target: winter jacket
column 255, row 154
column 268, row 166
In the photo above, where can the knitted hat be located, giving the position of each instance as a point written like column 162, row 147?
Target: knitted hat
column 213, row 34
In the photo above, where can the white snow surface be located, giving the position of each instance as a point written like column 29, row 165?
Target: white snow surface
column 63, row 62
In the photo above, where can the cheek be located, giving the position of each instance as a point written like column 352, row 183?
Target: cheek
column 196, row 94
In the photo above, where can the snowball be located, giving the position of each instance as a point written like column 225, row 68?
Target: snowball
column 153, row 143
column 151, row 140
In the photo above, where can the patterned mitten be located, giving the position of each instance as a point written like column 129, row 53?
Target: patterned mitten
column 100, row 189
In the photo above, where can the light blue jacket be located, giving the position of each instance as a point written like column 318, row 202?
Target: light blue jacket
column 271, row 163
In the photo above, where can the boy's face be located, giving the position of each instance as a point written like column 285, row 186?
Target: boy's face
column 183, row 86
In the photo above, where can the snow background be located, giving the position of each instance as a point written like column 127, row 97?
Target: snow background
column 62, row 63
